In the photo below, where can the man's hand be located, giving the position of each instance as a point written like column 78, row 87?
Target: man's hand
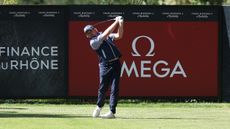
column 119, row 18
column 121, row 21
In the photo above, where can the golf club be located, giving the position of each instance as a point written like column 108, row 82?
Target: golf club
column 101, row 22
column 105, row 21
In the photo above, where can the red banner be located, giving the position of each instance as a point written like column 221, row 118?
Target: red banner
column 159, row 59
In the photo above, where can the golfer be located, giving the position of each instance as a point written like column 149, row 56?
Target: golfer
column 103, row 44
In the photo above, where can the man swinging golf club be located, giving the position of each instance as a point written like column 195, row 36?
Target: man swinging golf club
column 109, row 64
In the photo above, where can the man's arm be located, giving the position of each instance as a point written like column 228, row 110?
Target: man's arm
column 109, row 30
column 120, row 30
column 96, row 42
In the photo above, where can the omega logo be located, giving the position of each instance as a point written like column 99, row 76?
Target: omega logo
column 149, row 68
column 134, row 44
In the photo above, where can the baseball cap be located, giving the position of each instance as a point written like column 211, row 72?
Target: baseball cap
column 88, row 28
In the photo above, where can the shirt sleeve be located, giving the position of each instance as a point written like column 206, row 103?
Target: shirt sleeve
column 96, row 42
column 112, row 36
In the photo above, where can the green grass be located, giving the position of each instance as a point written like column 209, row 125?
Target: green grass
column 129, row 116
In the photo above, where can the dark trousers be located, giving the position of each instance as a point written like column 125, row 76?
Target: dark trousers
column 109, row 76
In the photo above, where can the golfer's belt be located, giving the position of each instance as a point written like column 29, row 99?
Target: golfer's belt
column 114, row 59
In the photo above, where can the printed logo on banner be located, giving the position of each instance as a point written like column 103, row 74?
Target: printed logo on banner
column 134, row 46
column 166, row 71
column 26, row 58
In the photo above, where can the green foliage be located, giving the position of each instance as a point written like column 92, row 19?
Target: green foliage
column 7, row 2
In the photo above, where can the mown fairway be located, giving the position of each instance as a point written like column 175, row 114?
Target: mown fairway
column 129, row 116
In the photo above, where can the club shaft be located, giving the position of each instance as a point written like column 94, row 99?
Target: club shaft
column 98, row 23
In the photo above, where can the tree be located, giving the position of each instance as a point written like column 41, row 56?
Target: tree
column 12, row 2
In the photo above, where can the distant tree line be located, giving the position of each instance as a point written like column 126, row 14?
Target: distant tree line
column 117, row 2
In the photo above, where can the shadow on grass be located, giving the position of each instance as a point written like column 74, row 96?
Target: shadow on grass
column 24, row 115
column 163, row 118
column 9, row 114
column 13, row 108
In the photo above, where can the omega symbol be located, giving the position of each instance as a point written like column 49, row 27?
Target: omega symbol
column 151, row 50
